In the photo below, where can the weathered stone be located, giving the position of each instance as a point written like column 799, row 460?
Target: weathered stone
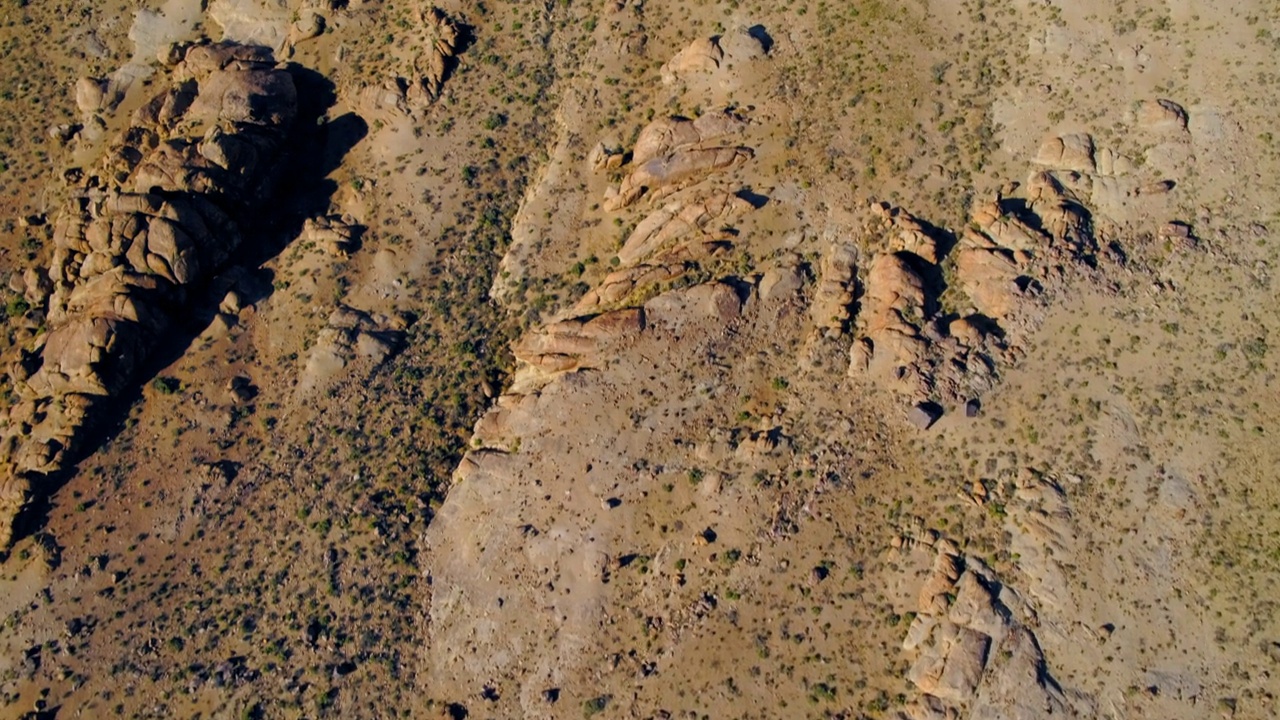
column 1162, row 116
column 702, row 55
column 660, row 175
column 123, row 251
column 1068, row 152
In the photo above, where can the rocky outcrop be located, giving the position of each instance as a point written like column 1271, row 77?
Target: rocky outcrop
column 715, row 57
column 664, row 135
column 161, row 214
column 421, row 83
column 1068, row 152
column 619, row 285
column 572, row 344
column 350, row 334
column 1005, row 263
column 892, row 312
column 441, row 40
column 974, row 648
column 683, row 166
column 921, row 356
column 666, row 233
column 337, row 234
column 832, row 306
column 702, row 55
column 1162, row 116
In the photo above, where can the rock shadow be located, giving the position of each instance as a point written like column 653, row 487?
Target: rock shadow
column 761, row 36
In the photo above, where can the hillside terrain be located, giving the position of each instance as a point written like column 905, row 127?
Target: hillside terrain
column 628, row 358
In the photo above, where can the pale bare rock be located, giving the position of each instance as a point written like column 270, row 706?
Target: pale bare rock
column 976, row 651
column 606, row 156
column 505, row 422
column 440, row 35
column 664, row 231
column 919, row 630
column 717, row 301
column 975, row 607
column 1017, row 686
column 348, row 335
column 1068, row 152
column 1039, row 524
column 90, row 94
column 946, row 570
column 1112, row 164
column 664, row 135
column 620, row 285
column 388, row 98
column 781, row 282
column 837, row 284
column 702, row 55
column 1162, row 116
column 310, row 24
column 951, row 667
column 662, row 175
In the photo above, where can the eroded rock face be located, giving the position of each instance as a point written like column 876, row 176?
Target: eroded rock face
column 666, row 232
column 837, row 283
column 974, row 647
column 661, row 136
column 1068, row 152
column 661, row 175
column 1162, row 116
column 702, row 55
column 441, row 36
column 552, row 520
column 422, row 82
column 572, row 344
column 162, row 214
column 350, row 334
column 1006, row 263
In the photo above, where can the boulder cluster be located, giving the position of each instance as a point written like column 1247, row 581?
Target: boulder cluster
column 974, row 648
column 163, row 211
column 1001, row 265
column 672, row 153
column 441, row 39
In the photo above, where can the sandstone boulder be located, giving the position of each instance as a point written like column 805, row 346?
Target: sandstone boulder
column 1162, row 116
column 702, row 55
column 662, row 175
column 441, row 37
column 705, row 220
column 663, row 135
column 1068, row 152
column 837, row 280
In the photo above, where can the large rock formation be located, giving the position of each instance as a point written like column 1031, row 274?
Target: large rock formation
column 1005, row 264
column 163, row 212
